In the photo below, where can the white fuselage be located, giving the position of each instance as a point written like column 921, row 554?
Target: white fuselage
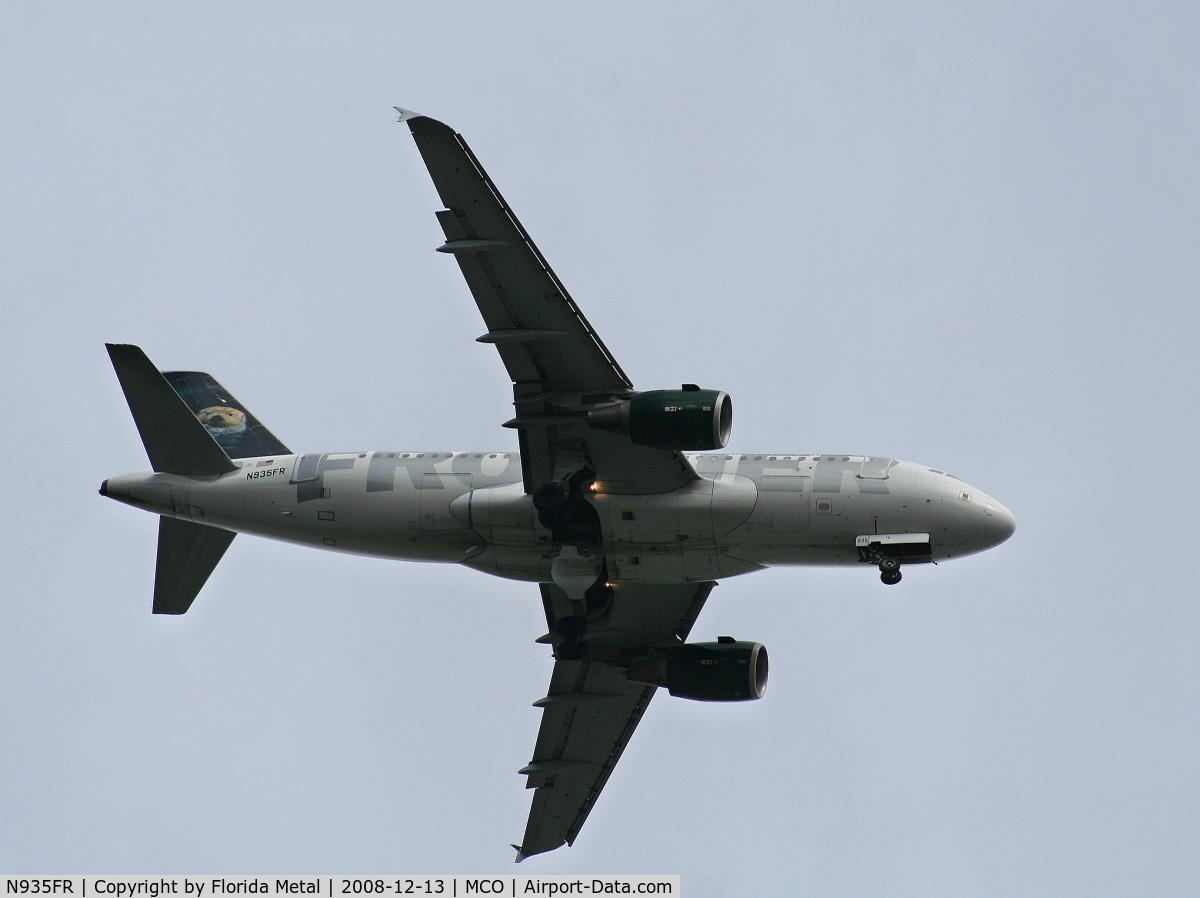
column 745, row 512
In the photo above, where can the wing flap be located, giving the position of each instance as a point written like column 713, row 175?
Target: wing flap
column 580, row 741
column 555, row 359
column 591, row 709
column 643, row 615
column 513, row 285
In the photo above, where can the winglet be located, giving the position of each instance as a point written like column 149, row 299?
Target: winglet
column 406, row 114
column 520, row 855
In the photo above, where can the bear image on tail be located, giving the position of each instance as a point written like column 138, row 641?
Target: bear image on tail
column 222, row 421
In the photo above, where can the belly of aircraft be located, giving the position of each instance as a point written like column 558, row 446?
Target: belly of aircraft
column 743, row 514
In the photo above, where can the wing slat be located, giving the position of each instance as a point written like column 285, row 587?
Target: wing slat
column 513, row 285
column 559, row 369
column 552, row 354
column 591, row 710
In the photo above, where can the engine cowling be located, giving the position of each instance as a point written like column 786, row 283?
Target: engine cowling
column 721, row 671
column 689, row 420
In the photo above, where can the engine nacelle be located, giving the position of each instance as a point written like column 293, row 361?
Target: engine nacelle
column 689, row 420
column 721, row 671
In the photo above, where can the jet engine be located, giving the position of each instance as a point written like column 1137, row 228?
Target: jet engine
column 688, row 419
column 721, row 671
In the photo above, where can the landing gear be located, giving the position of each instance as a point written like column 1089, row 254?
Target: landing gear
column 599, row 594
column 889, row 550
column 571, row 627
column 577, row 565
column 570, row 651
column 568, row 514
column 550, row 503
column 889, row 569
column 570, row 647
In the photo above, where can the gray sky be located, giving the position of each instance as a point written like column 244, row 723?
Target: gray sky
column 959, row 234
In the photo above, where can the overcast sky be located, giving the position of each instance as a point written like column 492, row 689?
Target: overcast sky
column 959, row 234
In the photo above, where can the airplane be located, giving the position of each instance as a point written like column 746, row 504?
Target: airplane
column 620, row 504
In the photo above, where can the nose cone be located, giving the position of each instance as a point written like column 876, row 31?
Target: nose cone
column 961, row 520
column 999, row 524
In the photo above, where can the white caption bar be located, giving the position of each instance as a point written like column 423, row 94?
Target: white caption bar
column 334, row 886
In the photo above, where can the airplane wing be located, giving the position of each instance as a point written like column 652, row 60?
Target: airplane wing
column 591, row 710
column 556, row 361
column 559, row 367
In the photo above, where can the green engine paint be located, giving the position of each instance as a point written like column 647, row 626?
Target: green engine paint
column 690, row 420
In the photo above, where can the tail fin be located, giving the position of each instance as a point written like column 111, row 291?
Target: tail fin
column 175, row 440
column 187, row 554
column 189, row 423
column 237, row 431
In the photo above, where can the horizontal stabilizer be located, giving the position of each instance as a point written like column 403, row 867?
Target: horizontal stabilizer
column 175, row 440
column 187, row 554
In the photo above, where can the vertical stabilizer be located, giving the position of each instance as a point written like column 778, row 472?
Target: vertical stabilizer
column 235, row 429
column 187, row 554
column 175, row 440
